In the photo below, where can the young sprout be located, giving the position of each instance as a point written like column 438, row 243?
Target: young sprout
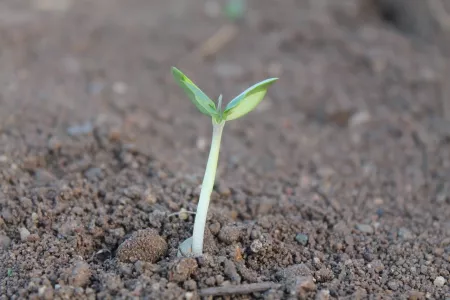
column 238, row 107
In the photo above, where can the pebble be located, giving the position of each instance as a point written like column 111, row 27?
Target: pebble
column 145, row 245
column 302, row 239
column 439, row 281
column 24, row 233
column 364, row 228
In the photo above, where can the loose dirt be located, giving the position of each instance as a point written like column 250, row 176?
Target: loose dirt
column 336, row 187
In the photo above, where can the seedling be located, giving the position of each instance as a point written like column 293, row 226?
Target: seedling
column 236, row 108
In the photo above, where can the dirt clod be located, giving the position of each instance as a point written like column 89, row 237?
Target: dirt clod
column 183, row 269
column 145, row 245
column 230, row 234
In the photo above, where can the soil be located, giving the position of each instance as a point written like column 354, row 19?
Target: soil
column 335, row 187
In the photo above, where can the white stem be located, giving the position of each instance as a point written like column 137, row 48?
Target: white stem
column 207, row 187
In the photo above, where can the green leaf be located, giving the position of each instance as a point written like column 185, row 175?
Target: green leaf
column 200, row 100
column 247, row 100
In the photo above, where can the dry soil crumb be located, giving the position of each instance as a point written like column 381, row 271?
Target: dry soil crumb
column 145, row 245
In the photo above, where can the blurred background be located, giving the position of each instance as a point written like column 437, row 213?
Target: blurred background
column 74, row 64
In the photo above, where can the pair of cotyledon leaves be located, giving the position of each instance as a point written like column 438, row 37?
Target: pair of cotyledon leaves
column 238, row 107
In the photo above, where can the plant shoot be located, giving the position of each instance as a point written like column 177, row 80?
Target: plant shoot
column 236, row 108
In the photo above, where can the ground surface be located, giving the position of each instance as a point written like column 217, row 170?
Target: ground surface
column 336, row 186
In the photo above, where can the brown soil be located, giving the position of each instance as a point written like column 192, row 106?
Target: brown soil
column 337, row 186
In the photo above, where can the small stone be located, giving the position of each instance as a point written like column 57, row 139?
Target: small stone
column 364, row 228
column 183, row 270
column 5, row 242
column 80, row 274
column 256, row 246
column 405, row 233
column 145, row 245
column 230, row 234
column 323, row 295
column 24, row 233
column 393, row 285
column 301, row 239
column 439, row 281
